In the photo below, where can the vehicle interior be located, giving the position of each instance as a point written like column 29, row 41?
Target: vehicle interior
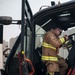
column 37, row 25
column 61, row 15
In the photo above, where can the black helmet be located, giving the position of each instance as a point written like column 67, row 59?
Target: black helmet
column 53, row 26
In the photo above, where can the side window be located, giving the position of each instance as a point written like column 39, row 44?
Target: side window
column 39, row 36
column 41, row 29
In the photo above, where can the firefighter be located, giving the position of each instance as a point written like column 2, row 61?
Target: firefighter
column 50, row 49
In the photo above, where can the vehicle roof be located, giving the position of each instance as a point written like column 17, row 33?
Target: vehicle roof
column 62, row 15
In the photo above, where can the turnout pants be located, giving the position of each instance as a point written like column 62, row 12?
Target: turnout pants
column 63, row 66
column 52, row 68
column 57, row 68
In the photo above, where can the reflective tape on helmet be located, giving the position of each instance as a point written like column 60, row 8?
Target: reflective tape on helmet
column 44, row 44
column 51, row 58
column 62, row 40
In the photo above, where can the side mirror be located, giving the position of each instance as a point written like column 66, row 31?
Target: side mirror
column 5, row 20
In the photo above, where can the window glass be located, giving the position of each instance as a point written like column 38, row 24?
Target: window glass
column 39, row 36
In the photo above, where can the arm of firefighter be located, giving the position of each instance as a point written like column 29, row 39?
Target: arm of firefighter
column 56, row 42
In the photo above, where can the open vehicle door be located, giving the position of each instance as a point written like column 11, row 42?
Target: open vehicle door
column 23, row 45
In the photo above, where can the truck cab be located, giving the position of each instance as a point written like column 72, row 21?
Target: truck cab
column 33, row 27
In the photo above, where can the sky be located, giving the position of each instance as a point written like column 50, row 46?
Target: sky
column 13, row 8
